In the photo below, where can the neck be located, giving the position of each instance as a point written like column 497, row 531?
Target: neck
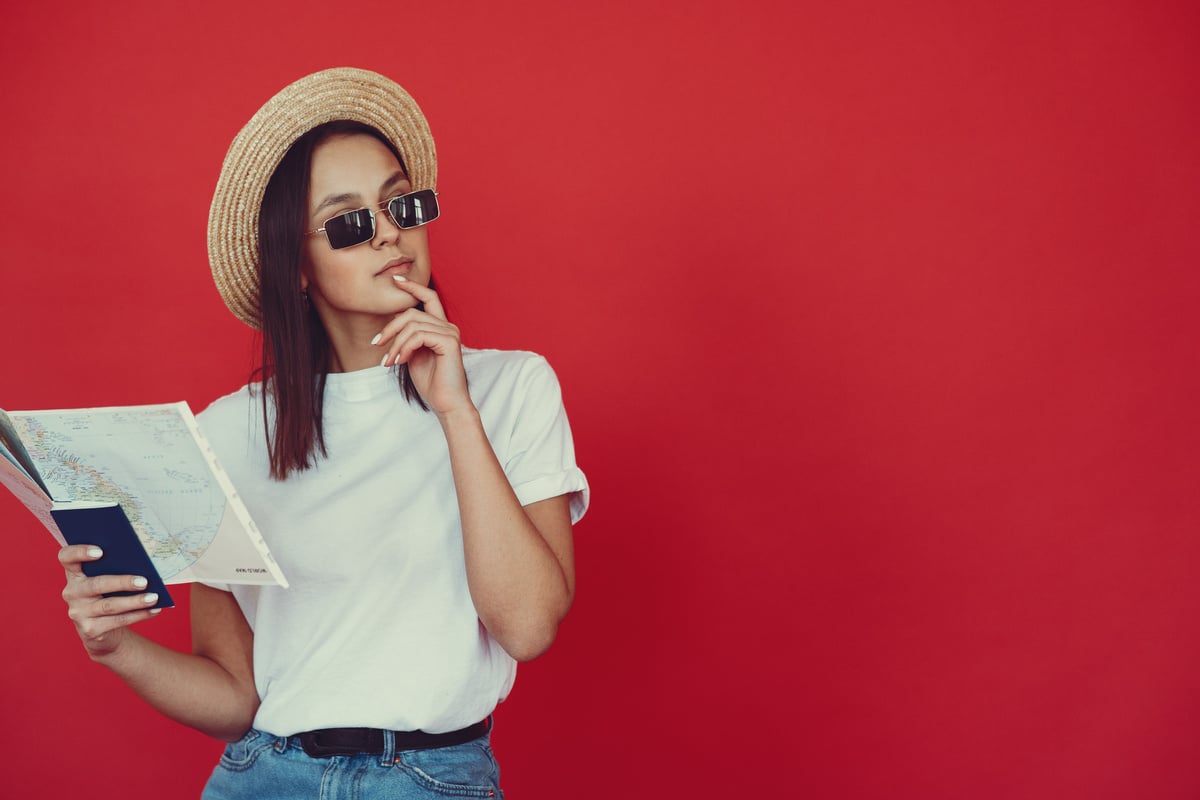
column 350, row 342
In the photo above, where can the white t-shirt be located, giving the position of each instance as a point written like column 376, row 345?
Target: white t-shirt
column 378, row 629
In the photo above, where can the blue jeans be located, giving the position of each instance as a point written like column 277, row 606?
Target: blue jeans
column 264, row 767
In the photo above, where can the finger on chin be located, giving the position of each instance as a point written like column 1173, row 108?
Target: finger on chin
column 427, row 299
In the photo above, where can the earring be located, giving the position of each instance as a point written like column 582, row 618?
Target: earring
column 304, row 297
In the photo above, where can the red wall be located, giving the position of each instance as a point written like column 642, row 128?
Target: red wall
column 877, row 329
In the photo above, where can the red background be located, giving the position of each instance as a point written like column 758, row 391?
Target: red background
column 876, row 325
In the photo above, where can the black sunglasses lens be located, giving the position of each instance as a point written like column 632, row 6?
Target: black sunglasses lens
column 351, row 228
column 413, row 210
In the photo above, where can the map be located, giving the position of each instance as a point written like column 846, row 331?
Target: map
column 154, row 462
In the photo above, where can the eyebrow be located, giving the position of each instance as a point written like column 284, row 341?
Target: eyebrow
column 395, row 178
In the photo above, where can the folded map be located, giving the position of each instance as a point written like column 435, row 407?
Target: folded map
column 154, row 463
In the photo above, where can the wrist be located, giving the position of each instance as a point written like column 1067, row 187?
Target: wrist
column 110, row 650
column 463, row 417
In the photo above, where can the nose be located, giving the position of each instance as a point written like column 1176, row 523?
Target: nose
column 386, row 230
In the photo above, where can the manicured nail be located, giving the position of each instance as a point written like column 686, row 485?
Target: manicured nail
column 399, row 278
column 384, row 362
column 155, row 610
column 150, row 598
column 139, row 583
column 94, row 552
column 378, row 336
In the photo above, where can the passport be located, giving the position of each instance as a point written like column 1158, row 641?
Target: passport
column 108, row 528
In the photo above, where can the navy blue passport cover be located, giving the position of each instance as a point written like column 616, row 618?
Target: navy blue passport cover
column 108, row 528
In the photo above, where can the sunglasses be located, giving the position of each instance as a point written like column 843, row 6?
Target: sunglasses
column 410, row 210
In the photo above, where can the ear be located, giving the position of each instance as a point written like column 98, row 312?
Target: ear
column 303, row 282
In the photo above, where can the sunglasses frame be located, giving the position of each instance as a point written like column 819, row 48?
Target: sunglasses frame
column 383, row 206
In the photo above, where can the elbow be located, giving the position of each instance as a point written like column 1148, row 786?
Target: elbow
column 237, row 719
column 530, row 638
column 526, row 633
column 231, row 730
column 528, row 645
column 230, row 734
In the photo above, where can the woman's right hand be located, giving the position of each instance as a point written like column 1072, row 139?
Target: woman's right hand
column 100, row 621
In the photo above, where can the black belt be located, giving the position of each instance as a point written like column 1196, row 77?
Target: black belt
column 369, row 741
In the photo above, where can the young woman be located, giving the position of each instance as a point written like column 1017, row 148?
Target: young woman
column 419, row 495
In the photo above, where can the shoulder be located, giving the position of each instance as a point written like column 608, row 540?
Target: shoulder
column 483, row 360
column 507, row 371
column 235, row 401
column 233, row 414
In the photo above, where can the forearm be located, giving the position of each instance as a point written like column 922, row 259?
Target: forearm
column 212, row 690
column 519, row 585
column 191, row 689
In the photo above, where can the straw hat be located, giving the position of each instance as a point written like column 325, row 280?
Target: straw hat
column 344, row 93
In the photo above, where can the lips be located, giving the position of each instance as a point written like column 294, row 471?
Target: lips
column 397, row 266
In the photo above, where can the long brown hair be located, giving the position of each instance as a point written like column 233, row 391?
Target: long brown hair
column 295, row 348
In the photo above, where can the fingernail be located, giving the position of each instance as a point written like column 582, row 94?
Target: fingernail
column 399, row 278
column 150, row 598
column 384, row 362
column 140, row 583
column 94, row 552
column 378, row 336
column 155, row 610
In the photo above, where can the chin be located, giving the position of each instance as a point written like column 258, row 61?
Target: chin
column 403, row 306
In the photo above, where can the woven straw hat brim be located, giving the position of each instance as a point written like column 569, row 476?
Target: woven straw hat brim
column 344, row 93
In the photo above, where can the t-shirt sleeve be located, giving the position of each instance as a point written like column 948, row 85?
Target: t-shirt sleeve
column 540, row 459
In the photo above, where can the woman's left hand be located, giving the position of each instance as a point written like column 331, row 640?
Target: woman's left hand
column 432, row 347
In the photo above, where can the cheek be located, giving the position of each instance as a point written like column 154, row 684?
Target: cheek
column 419, row 247
column 321, row 269
column 339, row 276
